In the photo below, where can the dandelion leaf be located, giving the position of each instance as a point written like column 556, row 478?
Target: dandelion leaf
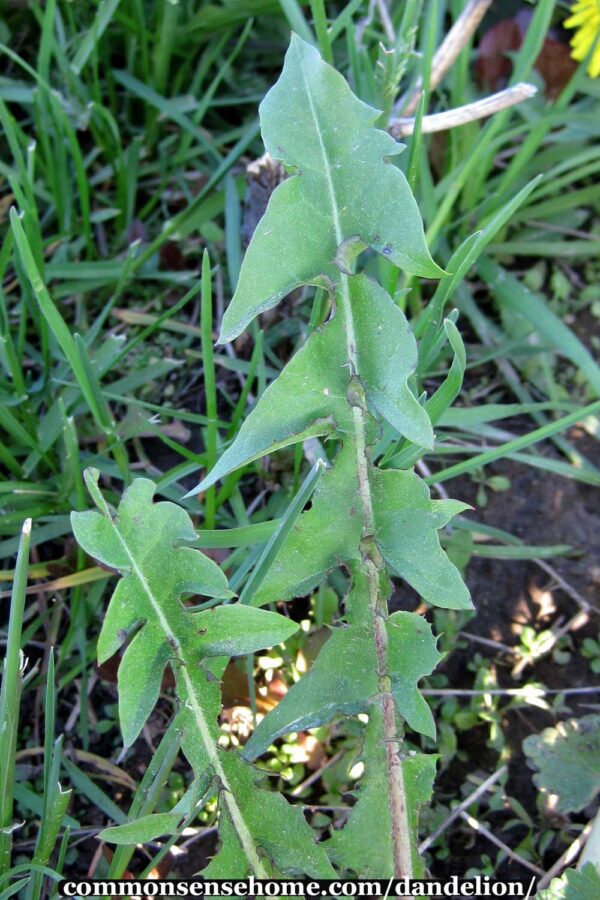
column 574, row 884
column 387, row 357
column 324, row 537
column 281, row 832
column 307, row 399
column 142, row 542
column 344, row 189
column 406, row 526
column 310, row 396
column 363, row 847
column 343, row 679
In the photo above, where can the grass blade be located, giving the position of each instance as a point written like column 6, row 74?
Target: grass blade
column 10, row 697
column 210, row 386
column 534, row 437
column 510, row 293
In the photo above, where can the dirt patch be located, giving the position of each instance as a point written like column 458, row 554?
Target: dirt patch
column 542, row 509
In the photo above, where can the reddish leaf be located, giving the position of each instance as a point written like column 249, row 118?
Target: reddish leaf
column 493, row 64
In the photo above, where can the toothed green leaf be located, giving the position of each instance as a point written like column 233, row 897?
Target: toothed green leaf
column 363, row 846
column 387, row 357
column 235, row 630
column 574, row 885
column 567, row 759
column 229, row 861
column 281, row 831
column 324, row 537
column 345, row 190
column 343, row 679
column 354, row 377
column 142, row 830
column 412, row 653
column 406, row 526
column 310, row 395
column 307, row 399
column 142, row 542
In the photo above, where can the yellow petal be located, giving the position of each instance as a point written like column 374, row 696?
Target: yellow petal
column 594, row 66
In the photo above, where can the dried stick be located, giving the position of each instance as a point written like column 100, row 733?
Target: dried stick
column 567, row 588
column 481, row 829
column 456, row 40
column 470, row 112
column 570, row 854
column 488, row 642
column 314, row 776
column 463, row 806
column 461, row 115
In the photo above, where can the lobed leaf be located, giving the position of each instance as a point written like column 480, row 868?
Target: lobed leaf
column 142, row 542
column 412, row 653
column 280, row 830
column 567, row 758
column 142, row 830
column 310, row 396
column 574, row 885
column 307, row 399
column 406, row 525
column 343, row 679
column 363, row 846
column 324, row 537
column 344, row 190
column 387, row 358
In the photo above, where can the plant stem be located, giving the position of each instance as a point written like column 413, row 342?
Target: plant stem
column 373, row 563
column 374, row 567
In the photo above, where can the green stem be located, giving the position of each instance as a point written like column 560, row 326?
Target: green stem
column 373, row 564
column 374, row 567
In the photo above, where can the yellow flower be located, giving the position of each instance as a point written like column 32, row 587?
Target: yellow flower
column 586, row 19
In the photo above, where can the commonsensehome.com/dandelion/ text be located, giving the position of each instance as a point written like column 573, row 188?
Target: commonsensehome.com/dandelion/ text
column 479, row 887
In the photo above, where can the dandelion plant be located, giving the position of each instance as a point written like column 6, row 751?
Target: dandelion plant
column 353, row 377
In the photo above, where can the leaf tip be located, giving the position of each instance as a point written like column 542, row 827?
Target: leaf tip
column 195, row 491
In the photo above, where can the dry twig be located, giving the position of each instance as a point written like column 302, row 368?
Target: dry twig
column 463, row 806
column 470, row 112
column 570, row 854
column 455, row 41
column 486, row 833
